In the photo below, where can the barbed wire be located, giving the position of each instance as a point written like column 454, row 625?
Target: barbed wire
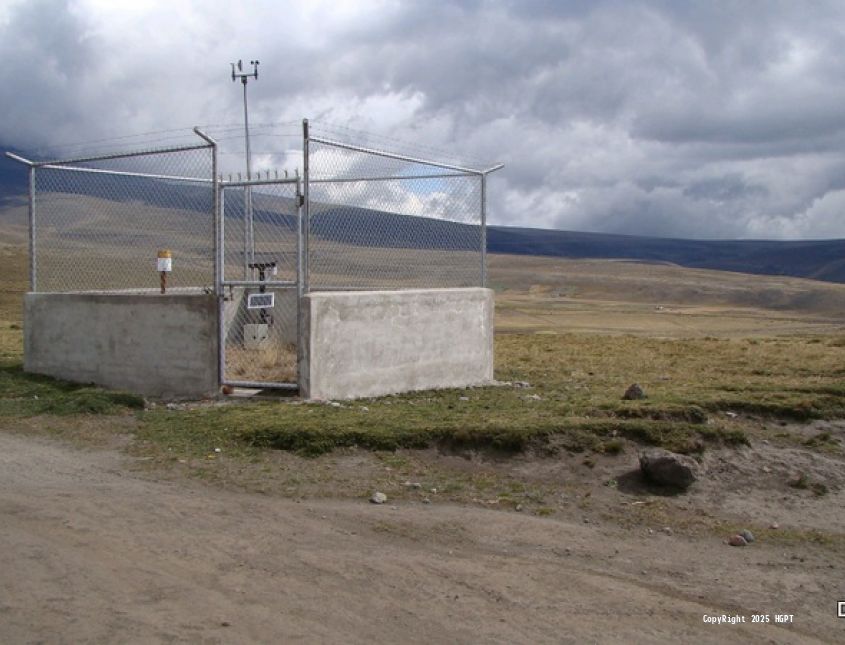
column 227, row 132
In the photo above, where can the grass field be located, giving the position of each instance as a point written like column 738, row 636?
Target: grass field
column 702, row 344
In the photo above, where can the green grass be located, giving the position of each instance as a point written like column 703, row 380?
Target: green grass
column 579, row 379
column 23, row 394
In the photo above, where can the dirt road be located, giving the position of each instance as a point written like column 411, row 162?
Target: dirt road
column 90, row 552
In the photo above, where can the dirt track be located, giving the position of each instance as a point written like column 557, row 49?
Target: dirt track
column 92, row 553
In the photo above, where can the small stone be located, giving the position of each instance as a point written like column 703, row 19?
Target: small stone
column 519, row 507
column 434, row 490
column 667, row 530
column 766, row 469
column 521, row 384
column 410, row 484
column 463, row 398
column 364, row 408
column 634, row 393
column 378, row 498
column 217, row 450
column 334, row 404
column 737, row 540
column 533, row 397
column 747, row 535
column 774, row 525
column 426, row 500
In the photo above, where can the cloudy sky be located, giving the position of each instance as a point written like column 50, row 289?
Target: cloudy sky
column 702, row 119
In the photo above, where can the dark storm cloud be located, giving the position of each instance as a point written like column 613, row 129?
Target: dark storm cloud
column 707, row 119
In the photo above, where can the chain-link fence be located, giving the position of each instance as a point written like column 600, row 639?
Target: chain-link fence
column 361, row 215
column 381, row 220
column 98, row 223
column 261, row 251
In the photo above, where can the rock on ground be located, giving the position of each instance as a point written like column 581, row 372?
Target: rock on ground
column 634, row 393
column 668, row 468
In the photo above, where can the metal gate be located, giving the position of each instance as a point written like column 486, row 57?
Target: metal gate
column 259, row 281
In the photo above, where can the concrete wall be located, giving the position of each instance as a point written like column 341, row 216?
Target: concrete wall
column 371, row 343
column 160, row 346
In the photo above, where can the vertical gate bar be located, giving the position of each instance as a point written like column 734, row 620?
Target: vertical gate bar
column 218, row 287
column 221, row 296
column 215, row 224
column 245, row 190
column 483, row 230
column 306, row 221
column 299, row 293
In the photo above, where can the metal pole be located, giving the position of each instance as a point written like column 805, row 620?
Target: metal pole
column 305, row 221
column 217, row 249
column 249, row 239
column 221, row 299
column 31, row 215
column 300, row 347
column 215, row 209
column 299, row 201
column 484, row 230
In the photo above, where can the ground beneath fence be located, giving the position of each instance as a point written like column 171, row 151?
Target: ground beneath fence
column 92, row 551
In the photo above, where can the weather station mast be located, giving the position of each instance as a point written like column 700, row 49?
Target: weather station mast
column 249, row 240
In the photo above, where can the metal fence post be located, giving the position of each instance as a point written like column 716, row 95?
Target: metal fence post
column 483, row 230
column 31, row 215
column 305, row 220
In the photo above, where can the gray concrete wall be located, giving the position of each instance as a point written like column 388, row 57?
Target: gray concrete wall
column 371, row 343
column 159, row 346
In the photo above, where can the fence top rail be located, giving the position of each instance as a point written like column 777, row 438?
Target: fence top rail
column 117, row 155
column 126, row 173
column 408, row 158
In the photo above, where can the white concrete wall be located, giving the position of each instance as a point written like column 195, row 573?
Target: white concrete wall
column 160, row 346
column 371, row 343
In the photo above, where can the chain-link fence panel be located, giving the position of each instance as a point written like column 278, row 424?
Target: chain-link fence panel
column 260, row 341
column 260, row 247
column 100, row 223
column 383, row 222
column 269, row 235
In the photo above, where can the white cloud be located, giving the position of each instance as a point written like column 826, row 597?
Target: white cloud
column 683, row 119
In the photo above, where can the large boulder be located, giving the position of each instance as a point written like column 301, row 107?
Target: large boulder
column 666, row 468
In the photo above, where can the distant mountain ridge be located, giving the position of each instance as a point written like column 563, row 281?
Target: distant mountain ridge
column 815, row 259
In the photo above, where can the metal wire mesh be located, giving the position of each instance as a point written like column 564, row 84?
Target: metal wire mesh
column 272, row 236
column 99, row 224
column 260, row 343
column 381, row 222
